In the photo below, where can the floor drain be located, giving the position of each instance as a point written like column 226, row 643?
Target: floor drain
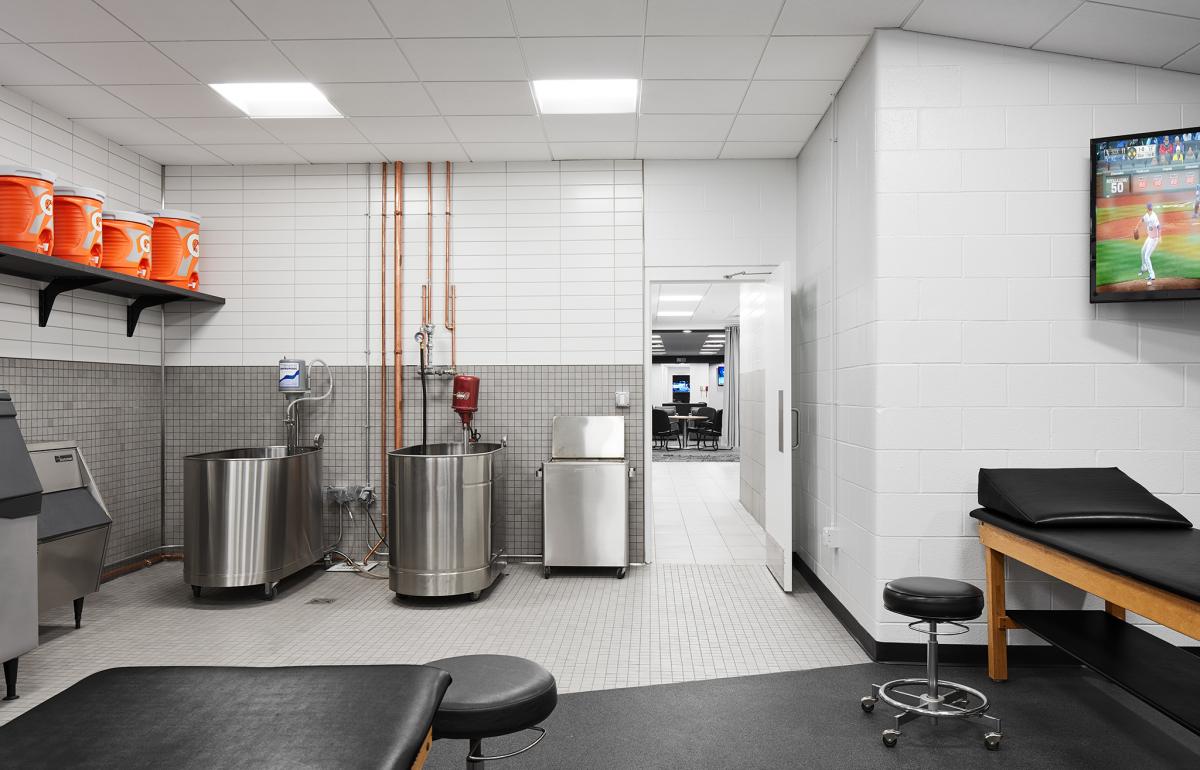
column 321, row 600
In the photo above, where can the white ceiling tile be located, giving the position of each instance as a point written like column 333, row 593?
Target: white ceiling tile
column 348, row 61
column 1015, row 22
column 762, row 149
column 593, row 150
column 311, row 19
column 549, row 18
column 495, row 98
column 789, row 97
column 773, row 128
column 60, row 21
column 339, row 153
column 7, row 38
column 228, row 61
column 501, row 128
column 702, row 57
column 692, row 96
column 220, row 130
column 675, row 150
column 1104, row 32
column 129, row 131
column 583, row 57
column 590, row 128
column 1179, row 7
column 314, row 130
column 485, row 151
column 256, row 154
column 711, row 17
column 117, row 63
column 451, row 151
column 684, row 128
column 177, row 101
column 356, row 99
column 183, row 19
column 79, row 101
column 445, row 18
column 1189, row 62
column 839, row 17
column 22, row 65
column 178, row 154
column 810, row 58
column 404, row 130
column 465, row 58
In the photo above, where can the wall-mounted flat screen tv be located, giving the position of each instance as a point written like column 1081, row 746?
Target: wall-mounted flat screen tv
column 681, row 383
column 720, row 376
column 1146, row 216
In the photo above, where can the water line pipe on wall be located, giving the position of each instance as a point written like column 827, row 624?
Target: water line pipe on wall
column 383, row 400
column 450, row 311
column 397, row 306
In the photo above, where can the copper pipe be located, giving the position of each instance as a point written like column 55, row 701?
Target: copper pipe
column 450, row 310
column 140, row 564
column 397, row 309
column 429, row 244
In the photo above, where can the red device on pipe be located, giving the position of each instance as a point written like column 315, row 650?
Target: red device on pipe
column 466, row 402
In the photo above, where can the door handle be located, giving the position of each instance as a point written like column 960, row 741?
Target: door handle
column 780, row 412
column 795, row 428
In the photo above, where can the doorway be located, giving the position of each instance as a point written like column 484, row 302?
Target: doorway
column 697, row 488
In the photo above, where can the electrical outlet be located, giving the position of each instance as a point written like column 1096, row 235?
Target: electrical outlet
column 831, row 537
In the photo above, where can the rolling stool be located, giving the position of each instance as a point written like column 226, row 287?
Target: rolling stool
column 933, row 600
column 493, row 695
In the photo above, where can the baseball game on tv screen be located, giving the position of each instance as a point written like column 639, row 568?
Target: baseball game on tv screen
column 1146, row 222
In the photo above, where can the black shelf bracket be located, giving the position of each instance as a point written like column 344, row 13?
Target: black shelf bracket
column 49, row 294
column 134, row 311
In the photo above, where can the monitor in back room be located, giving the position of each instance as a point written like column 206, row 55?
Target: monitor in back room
column 1146, row 218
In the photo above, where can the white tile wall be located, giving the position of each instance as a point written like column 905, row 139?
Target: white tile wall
column 85, row 326
column 977, row 307
column 547, row 261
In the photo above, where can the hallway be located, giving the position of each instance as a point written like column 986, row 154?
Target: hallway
column 698, row 519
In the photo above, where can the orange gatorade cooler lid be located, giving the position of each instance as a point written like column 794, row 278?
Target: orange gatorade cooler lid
column 173, row 214
column 70, row 191
column 129, row 216
column 29, row 173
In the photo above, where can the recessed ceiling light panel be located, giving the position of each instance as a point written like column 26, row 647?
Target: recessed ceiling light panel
column 680, row 298
column 585, row 97
column 277, row 100
column 675, row 313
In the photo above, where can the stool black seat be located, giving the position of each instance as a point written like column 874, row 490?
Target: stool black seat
column 932, row 598
column 493, row 695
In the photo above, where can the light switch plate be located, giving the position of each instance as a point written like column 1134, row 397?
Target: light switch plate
column 622, row 399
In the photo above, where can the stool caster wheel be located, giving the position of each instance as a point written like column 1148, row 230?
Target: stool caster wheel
column 890, row 737
column 868, row 704
column 992, row 741
column 196, row 591
column 545, row 573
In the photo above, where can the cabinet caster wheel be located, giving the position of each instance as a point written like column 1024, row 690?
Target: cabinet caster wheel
column 890, row 737
column 621, row 573
column 269, row 591
column 992, row 741
column 196, row 591
column 475, row 595
column 868, row 704
column 545, row 573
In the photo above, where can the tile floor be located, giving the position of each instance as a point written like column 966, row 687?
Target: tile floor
column 663, row 623
column 698, row 519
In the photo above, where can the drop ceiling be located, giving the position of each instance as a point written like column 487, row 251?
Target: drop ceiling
column 702, row 305
column 449, row 79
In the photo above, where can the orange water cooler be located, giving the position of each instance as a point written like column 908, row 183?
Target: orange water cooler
column 77, row 228
column 127, row 243
column 175, row 248
column 27, row 208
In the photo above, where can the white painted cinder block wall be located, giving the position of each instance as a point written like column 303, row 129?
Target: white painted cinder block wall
column 985, row 348
column 84, row 326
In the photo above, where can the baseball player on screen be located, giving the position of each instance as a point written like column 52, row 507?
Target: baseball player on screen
column 1153, row 234
column 1196, row 205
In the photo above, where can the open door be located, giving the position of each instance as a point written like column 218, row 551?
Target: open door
column 768, row 434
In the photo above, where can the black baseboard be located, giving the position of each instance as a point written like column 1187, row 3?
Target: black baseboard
column 914, row 652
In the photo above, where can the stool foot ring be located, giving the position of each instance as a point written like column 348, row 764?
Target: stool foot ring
column 952, row 704
column 541, row 731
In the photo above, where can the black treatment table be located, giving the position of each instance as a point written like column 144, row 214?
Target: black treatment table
column 224, row 717
column 1154, row 572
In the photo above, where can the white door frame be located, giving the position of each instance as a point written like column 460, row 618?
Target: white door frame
column 704, row 274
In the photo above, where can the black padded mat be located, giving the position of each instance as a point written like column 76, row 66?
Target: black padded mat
column 209, row 717
column 1165, row 558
